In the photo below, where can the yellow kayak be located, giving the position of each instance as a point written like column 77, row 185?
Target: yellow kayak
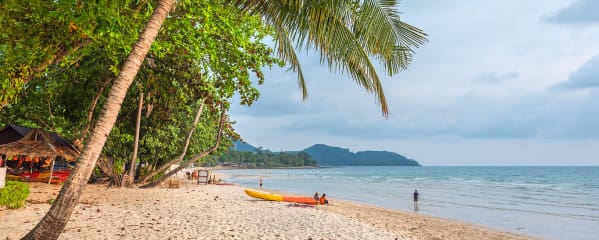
column 276, row 197
column 263, row 195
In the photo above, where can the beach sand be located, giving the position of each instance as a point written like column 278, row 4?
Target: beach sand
column 226, row 212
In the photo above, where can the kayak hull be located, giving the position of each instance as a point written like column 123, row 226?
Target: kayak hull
column 263, row 195
column 305, row 200
column 276, row 197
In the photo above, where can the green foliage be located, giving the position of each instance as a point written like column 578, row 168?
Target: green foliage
column 38, row 34
column 14, row 194
column 206, row 50
column 267, row 159
column 50, row 201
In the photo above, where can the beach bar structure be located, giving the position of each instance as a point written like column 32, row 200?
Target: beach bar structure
column 35, row 154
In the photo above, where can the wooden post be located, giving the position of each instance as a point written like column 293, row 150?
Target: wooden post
column 2, row 176
column 51, row 170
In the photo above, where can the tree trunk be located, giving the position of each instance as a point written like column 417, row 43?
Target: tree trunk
column 196, row 157
column 185, row 147
column 136, row 143
column 105, row 165
column 53, row 223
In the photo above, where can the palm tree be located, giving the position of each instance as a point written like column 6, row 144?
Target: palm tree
column 345, row 33
column 56, row 218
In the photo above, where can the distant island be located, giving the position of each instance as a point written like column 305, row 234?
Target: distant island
column 326, row 155
column 266, row 159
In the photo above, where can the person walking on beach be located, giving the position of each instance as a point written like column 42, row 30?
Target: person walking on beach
column 416, row 198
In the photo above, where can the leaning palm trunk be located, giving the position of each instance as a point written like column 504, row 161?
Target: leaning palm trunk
column 185, row 147
column 196, row 157
column 56, row 219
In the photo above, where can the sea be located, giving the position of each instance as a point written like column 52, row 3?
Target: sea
column 545, row 202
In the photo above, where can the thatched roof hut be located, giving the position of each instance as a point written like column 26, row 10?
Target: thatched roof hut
column 12, row 133
column 39, row 143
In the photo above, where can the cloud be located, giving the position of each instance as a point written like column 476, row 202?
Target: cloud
column 579, row 12
column 493, row 78
column 586, row 76
column 582, row 122
column 474, row 115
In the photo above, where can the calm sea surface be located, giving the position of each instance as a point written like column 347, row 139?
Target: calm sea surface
column 547, row 202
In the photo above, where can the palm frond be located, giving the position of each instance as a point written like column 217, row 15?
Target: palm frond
column 379, row 27
column 286, row 52
column 346, row 34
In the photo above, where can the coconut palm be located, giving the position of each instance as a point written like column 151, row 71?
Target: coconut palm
column 346, row 34
column 56, row 218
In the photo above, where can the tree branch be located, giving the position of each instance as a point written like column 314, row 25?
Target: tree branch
column 60, row 55
column 196, row 157
column 185, row 148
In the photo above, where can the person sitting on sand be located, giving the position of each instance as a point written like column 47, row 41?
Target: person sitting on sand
column 323, row 199
column 316, row 197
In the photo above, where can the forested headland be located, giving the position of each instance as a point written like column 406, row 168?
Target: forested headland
column 266, row 159
column 246, row 155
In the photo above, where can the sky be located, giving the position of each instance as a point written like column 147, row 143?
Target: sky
column 498, row 83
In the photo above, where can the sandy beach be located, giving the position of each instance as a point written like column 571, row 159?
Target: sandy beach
column 226, row 212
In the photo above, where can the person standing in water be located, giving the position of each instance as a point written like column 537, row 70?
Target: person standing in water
column 416, row 198
column 260, row 183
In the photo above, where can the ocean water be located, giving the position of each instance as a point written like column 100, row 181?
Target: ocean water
column 546, row 202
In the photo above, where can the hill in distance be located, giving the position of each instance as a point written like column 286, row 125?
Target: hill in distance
column 327, row 155
column 243, row 147
column 335, row 156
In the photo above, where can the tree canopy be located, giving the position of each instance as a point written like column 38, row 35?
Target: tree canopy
column 205, row 53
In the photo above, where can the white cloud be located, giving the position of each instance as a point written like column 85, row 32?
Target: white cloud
column 578, row 12
column 587, row 76
column 493, row 78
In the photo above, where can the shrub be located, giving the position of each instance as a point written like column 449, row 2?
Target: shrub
column 14, row 194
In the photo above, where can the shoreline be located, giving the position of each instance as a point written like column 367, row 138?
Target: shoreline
column 225, row 212
column 434, row 226
column 245, row 168
column 524, row 201
column 418, row 225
